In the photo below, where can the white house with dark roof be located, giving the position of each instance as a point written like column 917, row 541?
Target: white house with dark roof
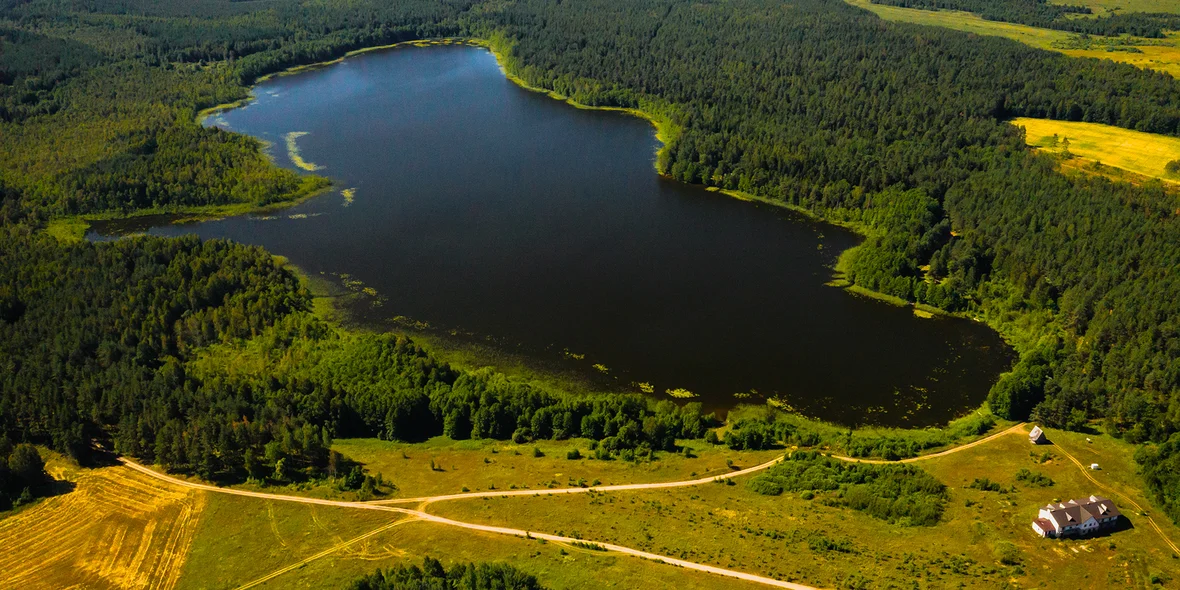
column 1076, row 519
column 1036, row 436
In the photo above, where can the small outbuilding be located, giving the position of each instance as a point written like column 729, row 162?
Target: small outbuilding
column 1036, row 436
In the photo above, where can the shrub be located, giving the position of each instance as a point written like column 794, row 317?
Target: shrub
column 1033, row 478
column 1172, row 167
column 902, row 494
column 573, row 454
column 765, row 487
column 985, row 485
column 1008, row 553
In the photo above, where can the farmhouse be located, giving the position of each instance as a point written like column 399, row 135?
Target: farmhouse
column 1036, row 436
column 1075, row 519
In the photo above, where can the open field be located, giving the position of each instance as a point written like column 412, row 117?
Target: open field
column 1144, row 154
column 116, row 529
column 983, row 540
column 1163, row 57
column 787, row 536
column 1104, row 7
column 236, row 546
column 241, row 540
column 479, row 465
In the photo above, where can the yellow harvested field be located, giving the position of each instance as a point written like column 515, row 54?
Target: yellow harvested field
column 116, row 529
column 1145, row 154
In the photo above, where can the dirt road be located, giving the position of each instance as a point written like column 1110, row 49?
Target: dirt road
column 422, row 500
column 419, row 515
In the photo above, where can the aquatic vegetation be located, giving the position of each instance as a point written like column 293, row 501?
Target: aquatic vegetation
column 349, row 194
column 369, row 291
column 296, row 157
column 646, row 387
column 680, row 393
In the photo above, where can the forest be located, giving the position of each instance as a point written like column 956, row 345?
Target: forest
column 129, row 343
column 1048, row 15
column 896, row 129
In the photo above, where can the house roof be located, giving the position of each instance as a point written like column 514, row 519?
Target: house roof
column 1036, row 433
column 1074, row 513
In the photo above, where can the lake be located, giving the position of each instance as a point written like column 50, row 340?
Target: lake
column 470, row 204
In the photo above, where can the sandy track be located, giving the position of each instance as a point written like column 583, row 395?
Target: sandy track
column 679, row 484
column 581, row 490
column 419, row 515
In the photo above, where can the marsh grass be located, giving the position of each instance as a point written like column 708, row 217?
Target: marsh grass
column 294, row 154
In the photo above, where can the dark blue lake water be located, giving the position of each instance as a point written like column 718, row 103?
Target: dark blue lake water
column 469, row 203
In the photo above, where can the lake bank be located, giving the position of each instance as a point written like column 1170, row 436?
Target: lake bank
column 512, row 227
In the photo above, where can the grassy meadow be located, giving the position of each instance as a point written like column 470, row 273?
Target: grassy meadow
column 984, row 539
column 238, row 528
column 482, row 465
column 1104, row 7
column 1163, row 56
column 1144, row 154
column 119, row 528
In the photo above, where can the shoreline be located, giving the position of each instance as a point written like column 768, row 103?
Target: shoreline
column 74, row 227
column 666, row 133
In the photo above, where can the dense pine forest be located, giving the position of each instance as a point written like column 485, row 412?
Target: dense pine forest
column 1063, row 17
column 896, row 129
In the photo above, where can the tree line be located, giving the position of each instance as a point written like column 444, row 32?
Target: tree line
column 433, row 575
column 138, row 343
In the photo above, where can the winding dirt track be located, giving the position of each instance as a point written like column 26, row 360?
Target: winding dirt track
column 420, row 515
column 678, row 484
column 1124, row 497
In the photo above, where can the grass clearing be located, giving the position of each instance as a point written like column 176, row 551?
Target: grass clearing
column 481, row 465
column 240, row 540
column 1143, row 154
column 556, row 566
column 67, row 230
column 812, row 543
column 1106, row 7
column 1155, row 55
column 116, row 529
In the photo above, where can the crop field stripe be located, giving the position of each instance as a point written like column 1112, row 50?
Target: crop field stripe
column 110, row 531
